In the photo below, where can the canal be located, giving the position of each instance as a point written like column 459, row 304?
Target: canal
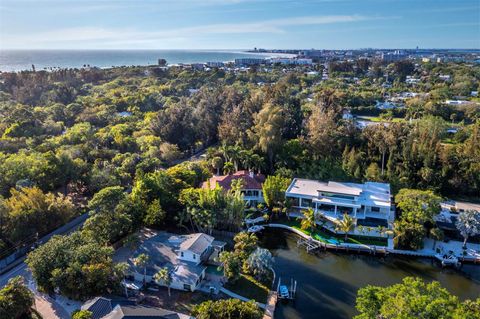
column 328, row 281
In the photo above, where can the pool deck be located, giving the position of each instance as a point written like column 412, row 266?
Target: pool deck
column 473, row 251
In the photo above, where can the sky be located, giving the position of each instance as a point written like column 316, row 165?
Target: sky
column 239, row 24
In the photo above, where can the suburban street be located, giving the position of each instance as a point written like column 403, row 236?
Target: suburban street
column 45, row 305
column 60, row 307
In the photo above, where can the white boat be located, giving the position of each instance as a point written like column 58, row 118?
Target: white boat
column 447, row 260
column 255, row 229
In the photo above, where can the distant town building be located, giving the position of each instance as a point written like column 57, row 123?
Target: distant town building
column 291, row 61
column 385, row 105
column 393, row 56
column 249, row 61
column 457, row 102
column 215, row 64
column 411, row 80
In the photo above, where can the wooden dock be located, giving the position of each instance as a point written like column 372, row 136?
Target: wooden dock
column 270, row 306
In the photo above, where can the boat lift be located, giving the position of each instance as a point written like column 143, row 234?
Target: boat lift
column 309, row 244
column 285, row 292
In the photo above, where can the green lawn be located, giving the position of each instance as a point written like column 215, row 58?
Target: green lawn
column 248, row 287
column 324, row 236
column 379, row 119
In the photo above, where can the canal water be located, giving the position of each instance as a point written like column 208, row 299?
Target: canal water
column 328, row 281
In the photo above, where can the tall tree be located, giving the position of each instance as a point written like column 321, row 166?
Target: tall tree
column 141, row 261
column 267, row 132
column 309, row 220
column 346, row 225
column 468, row 223
column 274, row 189
column 164, row 276
column 16, row 300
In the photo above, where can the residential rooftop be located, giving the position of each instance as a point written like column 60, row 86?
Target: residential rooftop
column 371, row 193
column 250, row 180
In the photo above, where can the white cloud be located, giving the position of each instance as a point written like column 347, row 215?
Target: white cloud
column 104, row 36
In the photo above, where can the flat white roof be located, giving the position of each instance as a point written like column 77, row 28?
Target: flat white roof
column 369, row 193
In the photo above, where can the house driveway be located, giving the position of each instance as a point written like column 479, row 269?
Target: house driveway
column 49, row 309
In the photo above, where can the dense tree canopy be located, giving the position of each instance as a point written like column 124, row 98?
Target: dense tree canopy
column 227, row 309
column 75, row 265
column 16, row 300
column 413, row 298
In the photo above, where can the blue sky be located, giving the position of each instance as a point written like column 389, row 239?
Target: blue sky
column 238, row 24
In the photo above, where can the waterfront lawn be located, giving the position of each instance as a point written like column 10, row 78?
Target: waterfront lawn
column 379, row 119
column 324, row 236
column 249, row 287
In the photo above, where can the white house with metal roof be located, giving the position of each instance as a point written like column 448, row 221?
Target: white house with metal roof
column 369, row 203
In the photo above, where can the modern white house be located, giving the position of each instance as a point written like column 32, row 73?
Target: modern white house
column 185, row 257
column 369, row 203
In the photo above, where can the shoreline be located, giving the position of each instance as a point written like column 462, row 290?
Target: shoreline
column 370, row 249
column 12, row 60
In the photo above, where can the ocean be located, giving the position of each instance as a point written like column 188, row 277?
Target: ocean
column 18, row 60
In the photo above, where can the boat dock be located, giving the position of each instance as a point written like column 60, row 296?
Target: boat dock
column 308, row 243
column 312, row 245
column 285, row 292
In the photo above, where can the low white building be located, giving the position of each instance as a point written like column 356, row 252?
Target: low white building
column 369, row 203
column 291, row 61
column 386, row 105
column 457, row 102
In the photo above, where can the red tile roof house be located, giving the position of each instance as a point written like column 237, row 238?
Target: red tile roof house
column 252, row 185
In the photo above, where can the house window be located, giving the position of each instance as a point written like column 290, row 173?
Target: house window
column 194, row 256
column 181, row 254
column 307, row 202
column 375, row 209
column 187, row 287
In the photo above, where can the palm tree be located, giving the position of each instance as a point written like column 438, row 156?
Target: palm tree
column 235, row 155
column 217, row 163
column 141, row 261
column 228, row 168
column 345, row 225
column 360, row 229
column 436, row 234
column 226, row 151
column 246, row 159
column 256, row 162
column 122, row 269
column 309, row 220
column 165, row 276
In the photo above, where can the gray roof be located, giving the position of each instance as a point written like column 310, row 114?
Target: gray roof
column 99, row 307
column 187, row 273
column 136, row 312
column 197, row 243
column 162, row 250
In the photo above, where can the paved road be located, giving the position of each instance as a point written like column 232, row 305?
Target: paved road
column 21, row 269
